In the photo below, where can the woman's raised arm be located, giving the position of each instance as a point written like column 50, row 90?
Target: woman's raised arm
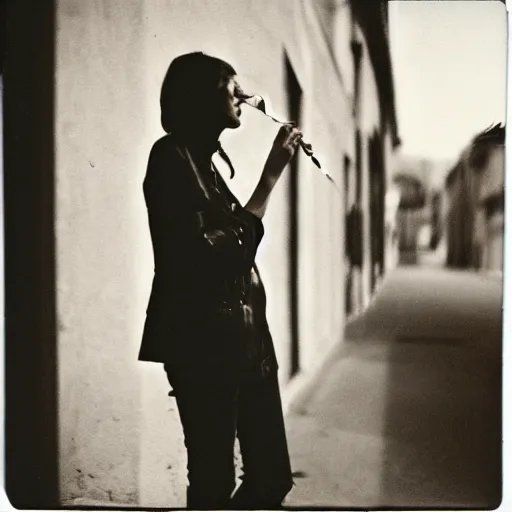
column 284, row 147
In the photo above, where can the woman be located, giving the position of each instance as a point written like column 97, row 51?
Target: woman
column 206, row 314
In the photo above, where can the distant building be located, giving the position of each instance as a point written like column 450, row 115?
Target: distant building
column 105, row 431
column 410, row 216
column 475, row 189
column 420, row 181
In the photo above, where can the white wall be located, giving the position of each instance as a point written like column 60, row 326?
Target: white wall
column 120, row 435
column 101, row 244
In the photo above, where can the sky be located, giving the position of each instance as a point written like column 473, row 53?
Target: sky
column 449, row 65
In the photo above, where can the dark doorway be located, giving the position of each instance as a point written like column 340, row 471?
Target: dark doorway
column 377, row 198
column 359, row 168
column 347, row 276
column 294, row 94
column 31, row 431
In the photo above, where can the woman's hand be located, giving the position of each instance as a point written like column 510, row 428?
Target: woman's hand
column 284, row 147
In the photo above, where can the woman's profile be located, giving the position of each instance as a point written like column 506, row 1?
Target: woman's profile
column 206, row 316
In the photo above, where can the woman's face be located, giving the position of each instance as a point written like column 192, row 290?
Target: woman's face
column 230, row 104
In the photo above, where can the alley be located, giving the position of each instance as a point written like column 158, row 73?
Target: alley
column 407, row 411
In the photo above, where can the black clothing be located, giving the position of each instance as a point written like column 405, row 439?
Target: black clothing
column 203, row 288
column 206, row 321
column 212, row 413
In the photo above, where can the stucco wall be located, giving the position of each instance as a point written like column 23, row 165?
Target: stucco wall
column 101, row 244
column 120, row 435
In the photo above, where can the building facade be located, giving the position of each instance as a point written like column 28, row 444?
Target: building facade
column 410, row 216
column 421, row 182
column 105, row 431
column 475, row 191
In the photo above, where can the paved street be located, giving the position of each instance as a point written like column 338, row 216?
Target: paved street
column 407, row 412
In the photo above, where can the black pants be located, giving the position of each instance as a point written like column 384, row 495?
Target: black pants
column 215, row 409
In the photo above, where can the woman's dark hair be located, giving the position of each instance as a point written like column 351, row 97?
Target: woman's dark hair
column 189, row 86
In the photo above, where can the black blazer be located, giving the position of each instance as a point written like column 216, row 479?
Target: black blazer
column 198, row 282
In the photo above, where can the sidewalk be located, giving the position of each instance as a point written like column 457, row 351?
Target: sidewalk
column 407, row 411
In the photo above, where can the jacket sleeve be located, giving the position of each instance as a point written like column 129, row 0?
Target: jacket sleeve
column 190, row 238
column 252, row 232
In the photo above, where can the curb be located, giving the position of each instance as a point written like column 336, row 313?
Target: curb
column 299, row 384
column 378, row 286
